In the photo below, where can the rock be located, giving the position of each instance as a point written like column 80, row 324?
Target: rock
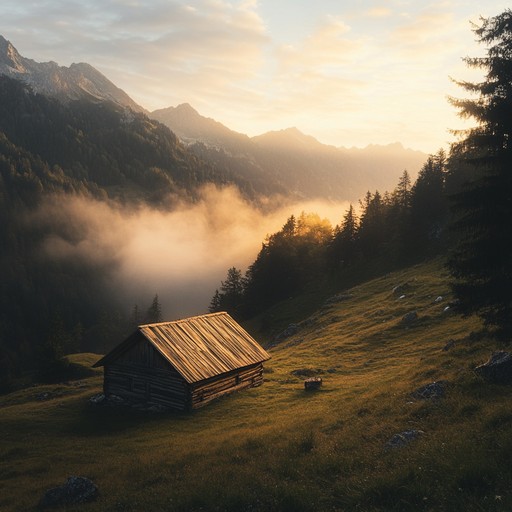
column 400, row 289
column 497, row 369
column 313, row 383
column 403, row 438
column 76, row 490
column 97, row 399
column 409, row 318
column 430, row 391
column 289, row 331
column 449, row 345
column 116, row 400
column 340, row 297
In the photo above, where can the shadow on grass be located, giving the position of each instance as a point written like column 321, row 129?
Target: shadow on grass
column 99, row 421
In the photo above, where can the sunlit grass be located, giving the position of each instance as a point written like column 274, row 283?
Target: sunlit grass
column 279, row 447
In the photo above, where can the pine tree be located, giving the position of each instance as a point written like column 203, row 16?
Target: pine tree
column 154, row 312
column 429, row 206
column 343, row 247
column 481, row 263
column 231, row 291
column 402, row 193
column 216, row 303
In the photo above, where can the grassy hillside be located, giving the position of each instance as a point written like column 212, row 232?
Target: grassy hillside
column 279, row 448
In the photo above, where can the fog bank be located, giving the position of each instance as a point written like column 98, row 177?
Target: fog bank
column 182, row 255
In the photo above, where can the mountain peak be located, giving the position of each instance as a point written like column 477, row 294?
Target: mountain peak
column 186, row 108
column 191, row 127
column 288, row 138
column 9, row 57
column 66, row 83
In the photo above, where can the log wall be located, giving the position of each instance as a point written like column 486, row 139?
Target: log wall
column 149, row 386
column 204, row 391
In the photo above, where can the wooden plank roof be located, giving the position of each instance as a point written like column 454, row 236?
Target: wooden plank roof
column 199, row 347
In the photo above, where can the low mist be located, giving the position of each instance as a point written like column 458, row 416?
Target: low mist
column 182, row 255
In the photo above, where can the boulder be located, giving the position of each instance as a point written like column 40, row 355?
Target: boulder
column 403, row 438
column 76, row 490
column 497, row 369
column 430, row 391
column 409, row 318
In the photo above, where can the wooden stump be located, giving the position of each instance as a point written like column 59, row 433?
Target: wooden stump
column 312, row 383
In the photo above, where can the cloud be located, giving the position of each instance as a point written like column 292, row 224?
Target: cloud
column 176, row 47
column 378, row 12
column 351, row 74
column 182, row 254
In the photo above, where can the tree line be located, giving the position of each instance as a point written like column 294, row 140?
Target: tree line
column 460, row 205
column 384, row 231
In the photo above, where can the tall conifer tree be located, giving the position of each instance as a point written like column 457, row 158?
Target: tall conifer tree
column 481, row 263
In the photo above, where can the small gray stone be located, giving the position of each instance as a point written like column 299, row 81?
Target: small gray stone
column 76, row 490
column 97, row 399
column 403, row 438
column 431, row 391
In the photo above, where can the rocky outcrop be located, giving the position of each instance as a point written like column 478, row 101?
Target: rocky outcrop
column 497, row 369
column 77, row 81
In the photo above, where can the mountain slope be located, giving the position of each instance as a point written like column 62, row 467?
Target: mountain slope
column 191, row 127
column 280, row 448
column 291, row 161
column 100, row 144
column 78, row 81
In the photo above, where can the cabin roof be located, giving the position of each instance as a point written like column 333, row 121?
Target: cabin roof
column 199, row 347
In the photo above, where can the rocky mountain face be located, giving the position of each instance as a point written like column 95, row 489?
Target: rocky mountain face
column 77, row 81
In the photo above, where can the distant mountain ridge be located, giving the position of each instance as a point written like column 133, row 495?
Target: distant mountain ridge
column 298, row 163
column 77, row 81
column 191, row 127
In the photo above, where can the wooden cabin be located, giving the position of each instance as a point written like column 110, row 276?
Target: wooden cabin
column 183, row 364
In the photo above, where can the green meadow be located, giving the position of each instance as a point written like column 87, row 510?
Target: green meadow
column 279, row 447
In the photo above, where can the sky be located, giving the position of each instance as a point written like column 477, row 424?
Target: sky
column 350, row 73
